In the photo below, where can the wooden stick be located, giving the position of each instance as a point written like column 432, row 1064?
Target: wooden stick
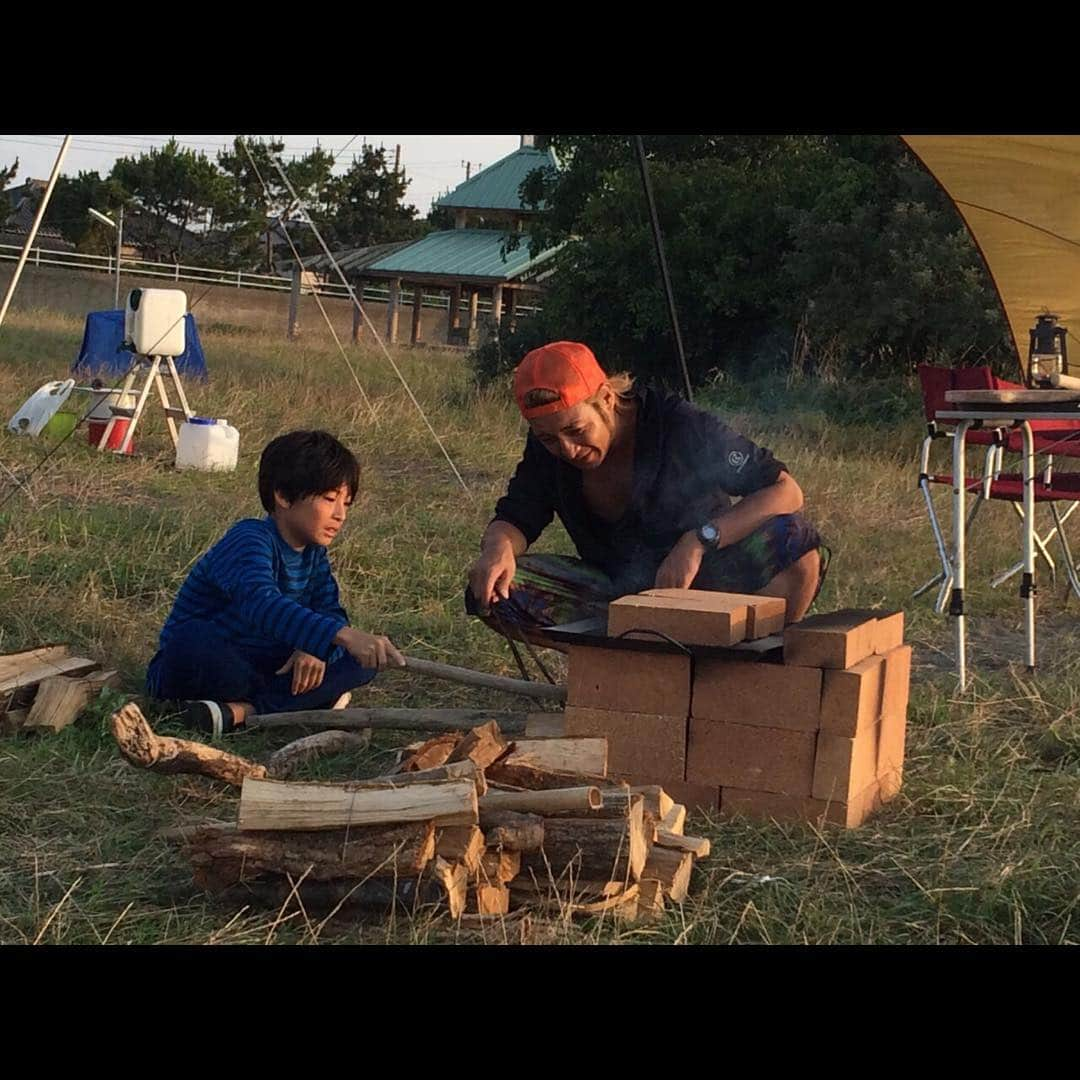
column 450, row 720
column 544, row 691
column 672, row 869
column 163, row 754
column 582, row 799
column 581, row 756
column 286, row 760
column 484, row 745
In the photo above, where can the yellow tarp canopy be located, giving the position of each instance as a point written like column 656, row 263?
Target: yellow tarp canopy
column 1020, row 198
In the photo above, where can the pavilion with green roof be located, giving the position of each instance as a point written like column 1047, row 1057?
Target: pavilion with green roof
column 469, row 260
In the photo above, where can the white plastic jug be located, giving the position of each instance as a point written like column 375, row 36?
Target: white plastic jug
column 208, row 444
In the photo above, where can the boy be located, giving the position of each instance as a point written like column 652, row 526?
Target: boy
column 257, row 626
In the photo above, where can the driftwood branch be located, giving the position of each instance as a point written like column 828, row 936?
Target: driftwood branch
column 162, row 754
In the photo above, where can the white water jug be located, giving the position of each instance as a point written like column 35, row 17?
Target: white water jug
column 208, row 444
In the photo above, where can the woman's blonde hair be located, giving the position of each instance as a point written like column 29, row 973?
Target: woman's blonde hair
column 622, row 384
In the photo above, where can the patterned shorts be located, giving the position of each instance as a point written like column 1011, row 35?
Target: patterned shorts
column 549, row 590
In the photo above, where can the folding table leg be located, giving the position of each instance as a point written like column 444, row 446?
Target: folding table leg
column 956, row 603
column 1027, row 587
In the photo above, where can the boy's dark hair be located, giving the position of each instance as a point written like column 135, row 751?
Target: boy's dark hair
column 304, row 463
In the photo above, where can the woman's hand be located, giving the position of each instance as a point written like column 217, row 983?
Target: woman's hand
column 681, row 564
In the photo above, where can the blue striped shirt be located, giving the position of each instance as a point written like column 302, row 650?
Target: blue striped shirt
column 262, row 593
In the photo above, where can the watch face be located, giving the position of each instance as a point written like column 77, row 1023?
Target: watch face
column 708, row 532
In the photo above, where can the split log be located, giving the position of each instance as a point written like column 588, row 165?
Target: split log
column 582, row 799
column 698, row 846
column 461, row 844
column 584, row 757
column 58, row 701
column 484, row 745
column 488, row 899
column 72, row 665
column 674, row 821
column 657, row 801
column 98, row 680
column 499, row 866
column 11, row 722
column 431, row 754
column 606, row 850
column 650, row 899
column 290, row 757
column 376, row 851
column 448, row 720
column 455, row 884
column 160, row 753
column 479, row 678
column 458, row 770
column 13, row 664
column 582, row 898
column 672, row 869
column 545, row 725
column 510, row 831
column 276, row 804
column 531, row 778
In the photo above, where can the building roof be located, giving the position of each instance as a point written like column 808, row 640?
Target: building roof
column 496, row 187
column 468, row 253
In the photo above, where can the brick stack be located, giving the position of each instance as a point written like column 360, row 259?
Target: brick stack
column 817, row 737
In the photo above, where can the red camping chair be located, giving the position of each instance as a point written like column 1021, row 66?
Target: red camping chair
column 1061, row 437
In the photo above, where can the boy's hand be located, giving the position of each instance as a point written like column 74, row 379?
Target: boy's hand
column 308, row 671
column 369, row 650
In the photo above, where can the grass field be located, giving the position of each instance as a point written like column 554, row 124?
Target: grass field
column 981, row 845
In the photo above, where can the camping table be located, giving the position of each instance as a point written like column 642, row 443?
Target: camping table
column 999, row 408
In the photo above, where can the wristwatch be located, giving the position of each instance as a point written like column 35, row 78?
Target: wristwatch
column 708, row 535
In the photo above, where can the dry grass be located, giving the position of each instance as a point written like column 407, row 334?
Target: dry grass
column 980, row 846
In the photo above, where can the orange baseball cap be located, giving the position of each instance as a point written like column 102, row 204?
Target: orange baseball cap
column 566, row 368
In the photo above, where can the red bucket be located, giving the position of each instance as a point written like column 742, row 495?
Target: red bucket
column 96, row 428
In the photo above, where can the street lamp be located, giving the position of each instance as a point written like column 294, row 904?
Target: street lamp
column 119, row 227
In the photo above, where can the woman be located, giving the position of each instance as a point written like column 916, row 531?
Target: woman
column 643, row 483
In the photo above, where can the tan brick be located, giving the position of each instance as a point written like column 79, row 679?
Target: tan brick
column 764, row 805
column 643, row 748
column 897, row 681
column 837, row 640
column 851, row 700
column 889, row 632
column 760, row 694
column 695, row 797
column 843, row 767
column 890, row 763
column 654, row 683
column 694, row 618
column 764, row 614
column 749, row 757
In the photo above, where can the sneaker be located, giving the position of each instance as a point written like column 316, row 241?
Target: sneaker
column 344, row 701
column 211, row 717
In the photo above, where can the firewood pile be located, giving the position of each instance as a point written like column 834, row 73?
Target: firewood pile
column 44, row 689
column 482, row 824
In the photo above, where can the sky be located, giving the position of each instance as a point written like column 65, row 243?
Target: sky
column 433, row 163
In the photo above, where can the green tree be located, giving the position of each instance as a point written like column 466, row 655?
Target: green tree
column 835, row 252
column 178, row 189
